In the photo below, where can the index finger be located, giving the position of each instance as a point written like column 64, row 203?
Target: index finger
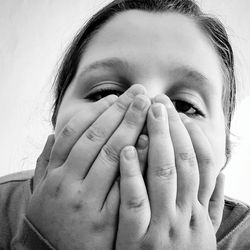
column 76, row 126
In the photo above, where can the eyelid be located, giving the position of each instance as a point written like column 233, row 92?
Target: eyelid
column 104, row 87
column 193, row 103
column 199, row 107
column 105, row 82
column 193, row 99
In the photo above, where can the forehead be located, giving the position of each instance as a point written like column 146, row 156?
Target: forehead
column 155, row 44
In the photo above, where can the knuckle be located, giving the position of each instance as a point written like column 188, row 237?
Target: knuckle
column 95, row 134
column 79, row 200
column 166, row 171
column 120, row 106
column 40, row 160
column 206, row 160
column 154, row 243
column 172, row 232
column 135, row 203
column 110, row 154
column 99, row 225
column 148, row 245
column 188, row 156
column 68, row 130
column 192, row 221
column 131, row 119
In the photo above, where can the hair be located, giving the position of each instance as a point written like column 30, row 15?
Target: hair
column 212, row 27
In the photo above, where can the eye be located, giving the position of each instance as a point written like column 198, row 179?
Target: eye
column 102, row 92
column 187, row 108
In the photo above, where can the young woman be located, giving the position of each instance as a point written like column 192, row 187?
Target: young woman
column 143, row 107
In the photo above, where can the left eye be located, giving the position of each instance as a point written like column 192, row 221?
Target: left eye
column 186, row 108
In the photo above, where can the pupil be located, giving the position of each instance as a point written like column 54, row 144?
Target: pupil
column 182, row 106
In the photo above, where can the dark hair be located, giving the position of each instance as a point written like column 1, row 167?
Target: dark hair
column 212, row 27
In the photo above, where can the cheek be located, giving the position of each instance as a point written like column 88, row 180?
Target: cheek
column 217, row 138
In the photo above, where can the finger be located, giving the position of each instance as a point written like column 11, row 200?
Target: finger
column 216, row 204
column 88, row 146
column 43, row 160
column 111, row 206
column 134, row 214
column 142, row 151
column 105, row 168
column 185, row 158
column 205, row 158
column 161, row 172
column 112, row 201
column 72, row 131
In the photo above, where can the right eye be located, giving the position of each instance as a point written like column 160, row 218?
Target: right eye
column 102, row 92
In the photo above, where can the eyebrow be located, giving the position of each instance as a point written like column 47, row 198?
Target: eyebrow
column 188, row 76
column 114, row 64
column 191, row 73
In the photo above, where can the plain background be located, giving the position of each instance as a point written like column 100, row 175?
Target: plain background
column 33, row 37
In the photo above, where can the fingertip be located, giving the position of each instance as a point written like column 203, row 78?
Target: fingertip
column 161, row 98
column 110, row 99
column 129, row 165
column 221, row 180
column 142, row 142
column 221, row 176
column 157, row 111
column 136, row 89
column 129, row 153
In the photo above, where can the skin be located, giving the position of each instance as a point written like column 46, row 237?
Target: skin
column 79, row 193
column 131, row 36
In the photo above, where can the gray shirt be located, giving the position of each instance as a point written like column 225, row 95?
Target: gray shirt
column 16, row 231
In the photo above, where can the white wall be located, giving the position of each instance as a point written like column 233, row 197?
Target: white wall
column 33, row 36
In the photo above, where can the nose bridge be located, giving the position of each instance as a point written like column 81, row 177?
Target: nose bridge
column 155, row 86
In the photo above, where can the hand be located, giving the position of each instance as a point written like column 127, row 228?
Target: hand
column 42, row 161
column 173, row 212
column 75, row 206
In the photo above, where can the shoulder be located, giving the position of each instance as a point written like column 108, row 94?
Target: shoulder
column 15, row 188
column 13, row 182
column 15, row 193
column 16, row 183
column 235, row 227
column 17, row 177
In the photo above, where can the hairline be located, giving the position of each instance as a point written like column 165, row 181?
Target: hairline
column 196, row 18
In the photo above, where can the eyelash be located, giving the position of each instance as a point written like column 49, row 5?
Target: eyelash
column 102, row 92
column 198, row 112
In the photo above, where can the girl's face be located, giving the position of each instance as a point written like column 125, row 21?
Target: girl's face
column 166, row 53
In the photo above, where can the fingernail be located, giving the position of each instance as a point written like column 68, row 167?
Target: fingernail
column 142, row 142
column 137, row 89
column 110, row 99
column 139, row 102
column 129, row 152
column 158, row 110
